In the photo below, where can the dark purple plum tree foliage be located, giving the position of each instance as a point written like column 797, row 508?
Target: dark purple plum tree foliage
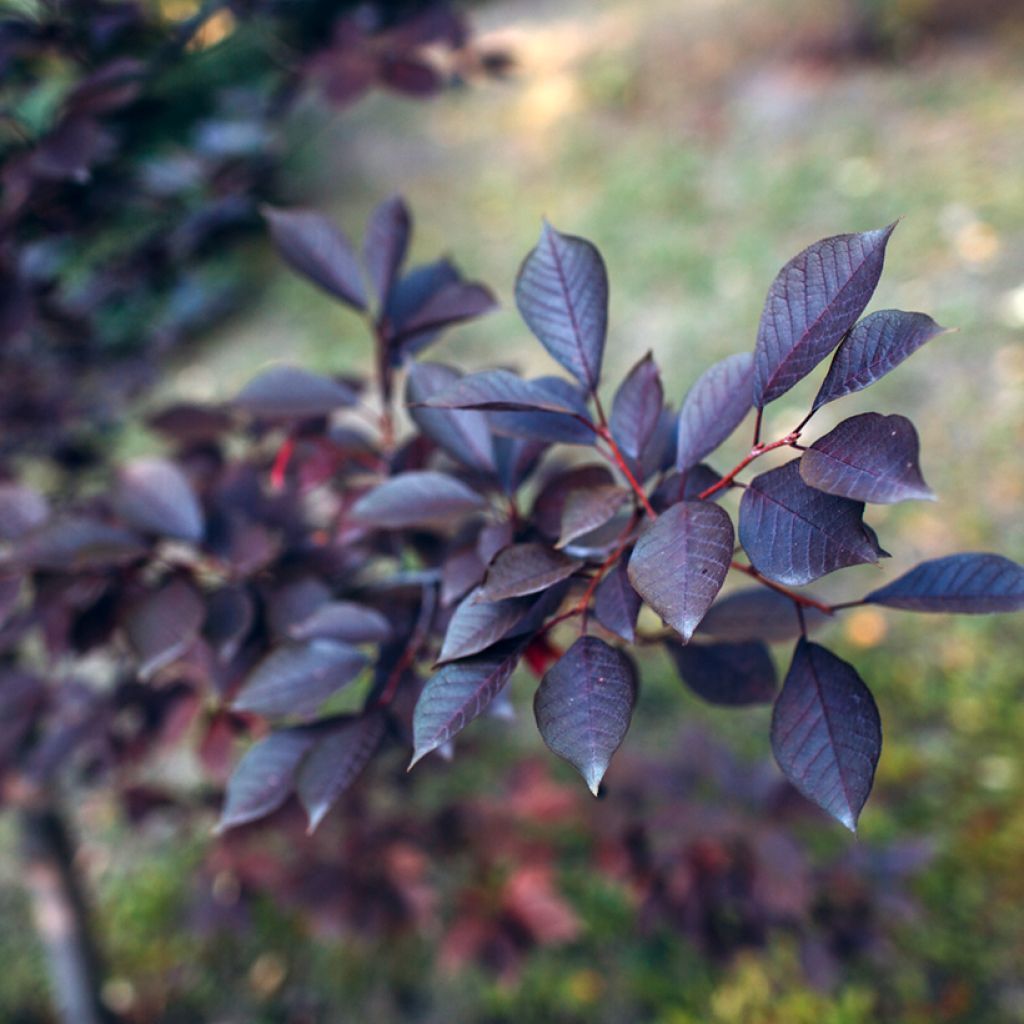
column 313, row 571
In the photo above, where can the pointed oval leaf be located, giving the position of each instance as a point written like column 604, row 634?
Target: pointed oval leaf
column 549, row 505
column 155, row 496
column 875, row 345
column 385, row 244
column 230, row 615
column 453, row 304
column 343, row 620
column 969, row 584
column 680, row 562
column 290, row 392
column 794, row 534
column 264, row 778
column 868, row 458
column 417, row 498
column 813, row 302
column 296, row 678
column 574, row 427
column 504, row 390
column 457, row 694
column 758, row 614
column 584, row 705
column 522, row 569
column 315, row 248
column 714, row 407
column 562, row 294
column 475, row 626
column 617, row 604
column 732, row 675
column 340, row 753
column 826, row 732
column 463, row 433
column 637, row 407
column 585, row 510
column 164, row 625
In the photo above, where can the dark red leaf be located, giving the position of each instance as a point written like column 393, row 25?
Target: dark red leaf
column 296, row 678
column 826, row 732
column 732, row 675
column 524, row 569
column 585, row 510
column 562, row 294
column 970, row 584
column 637, row 407
column 341, row 751
column 457, row 694
column 813, row 302
column 680, row 562
column 714, row 407
column 163, row 625
column 875, row 345
column 794, row 533
column 617, row 604
column 315, row 248
column 867, row 458
column 584, row 705
column 475, row 626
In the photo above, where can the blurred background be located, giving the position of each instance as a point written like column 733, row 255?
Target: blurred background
column 699, row 144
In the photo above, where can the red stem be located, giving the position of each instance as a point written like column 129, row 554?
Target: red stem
column 281, row 461
column 755, row 453
column 800, row 599
column 620, row 460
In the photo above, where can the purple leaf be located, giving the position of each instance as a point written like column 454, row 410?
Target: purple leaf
column 22, row 509
column 562, row 294
column 77, row 544
column 289, row 391
column 867, row 458
column 453, row 304
column 457, row 694
column 970, row 584
column 549, row 505
column 523, row 569
column 503, row 390
column 826, row 733
column 296, row 678
column 686, row 486
column 585, row 510
column 758, row 614
column 154, row 496
column 230, row 615
column 417, row 498
column 550, row 427
column 164, row 625
column 732, row 675
column 875, row 345
column 462, row 433
column 408, row 295
column 341, row 751
column 315, row 248
column 617, row 604
column 343, row 620
column 794, row 533
column 637, row 407
column 714, row 407
column 813, row 302
column 461, row 571
column 385, row 244
column 475, row 626
column 680, row 562
column 262, row 781
column 584, row 705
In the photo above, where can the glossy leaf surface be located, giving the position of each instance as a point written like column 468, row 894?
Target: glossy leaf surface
column 794, row 534
column 971, row 584
column 813, row 302
column 867, row 458
column 562, row 294
column 826, row 733
column 680, row 562
column 416, row 498
column 875, row 345
column 584, row 705
column 713, row 408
